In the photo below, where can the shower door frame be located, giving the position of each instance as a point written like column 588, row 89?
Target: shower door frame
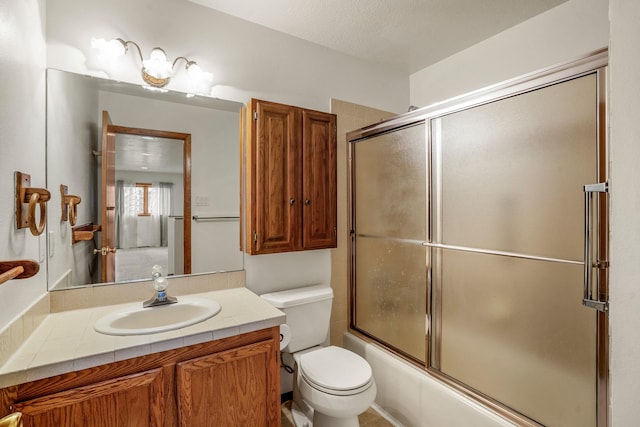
column 593, row 63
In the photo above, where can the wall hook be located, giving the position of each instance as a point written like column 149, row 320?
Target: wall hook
column 18, row 269
column 31, row 197
column 83, row 232
column 69, row 204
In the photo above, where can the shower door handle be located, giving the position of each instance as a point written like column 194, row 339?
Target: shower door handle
column 591, row 298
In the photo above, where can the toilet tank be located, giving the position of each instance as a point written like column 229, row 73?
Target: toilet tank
column 308, row 313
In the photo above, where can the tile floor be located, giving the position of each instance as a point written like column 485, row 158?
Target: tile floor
column 369, row 419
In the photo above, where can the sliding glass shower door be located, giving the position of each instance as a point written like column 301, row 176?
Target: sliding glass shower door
column 391, row 178
column 468, row 233
column 510, row 179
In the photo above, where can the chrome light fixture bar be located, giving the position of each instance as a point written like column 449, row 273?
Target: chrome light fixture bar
column 156, row 70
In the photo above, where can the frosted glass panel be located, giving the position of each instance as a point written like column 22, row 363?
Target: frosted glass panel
column 513, row 171
column 510, row 177
column 391, row 293
column 390, row 181
column 390, row 203
column 516, row 331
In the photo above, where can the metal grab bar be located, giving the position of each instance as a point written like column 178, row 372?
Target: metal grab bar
column 588, row 297
column 215, row 218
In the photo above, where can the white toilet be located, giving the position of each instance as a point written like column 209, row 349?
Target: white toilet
column 331, row 385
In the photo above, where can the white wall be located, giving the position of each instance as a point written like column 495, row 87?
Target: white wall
column 22, row 134
column 625, row 220
column 572, row 29
column 72, row 135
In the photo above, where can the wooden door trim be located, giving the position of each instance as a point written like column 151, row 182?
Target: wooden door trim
column 106, row 231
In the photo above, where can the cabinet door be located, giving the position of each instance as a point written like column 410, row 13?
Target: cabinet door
column 277, row 187
column 131, row 401
column 319, row 180
column 238, row 387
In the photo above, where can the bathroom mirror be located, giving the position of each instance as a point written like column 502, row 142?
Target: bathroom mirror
column 146, row 233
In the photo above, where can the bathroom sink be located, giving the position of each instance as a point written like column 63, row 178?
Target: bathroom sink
column 139, row 321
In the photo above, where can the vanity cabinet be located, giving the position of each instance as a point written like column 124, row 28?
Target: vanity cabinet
column 288, row 178
column 229, row 382
column 226, row 388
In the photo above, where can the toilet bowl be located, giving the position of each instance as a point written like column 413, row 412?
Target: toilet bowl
column 336, row 384
column 331, row 385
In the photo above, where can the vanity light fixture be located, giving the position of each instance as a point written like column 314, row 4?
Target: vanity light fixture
column 156, row 70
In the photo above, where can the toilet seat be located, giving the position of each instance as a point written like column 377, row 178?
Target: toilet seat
column 335, row 371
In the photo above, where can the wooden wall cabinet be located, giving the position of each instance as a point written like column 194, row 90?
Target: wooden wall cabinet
column 230, row 382
column 289, row 189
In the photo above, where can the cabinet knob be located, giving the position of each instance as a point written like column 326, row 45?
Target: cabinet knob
column 307, row 202
column 292, row 202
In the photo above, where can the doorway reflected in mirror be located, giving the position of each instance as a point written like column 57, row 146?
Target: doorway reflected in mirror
column 149, row 198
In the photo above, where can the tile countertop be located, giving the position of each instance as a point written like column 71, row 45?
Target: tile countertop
column 67, row 342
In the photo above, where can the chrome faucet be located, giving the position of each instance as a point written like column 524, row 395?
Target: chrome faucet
column 160, row 284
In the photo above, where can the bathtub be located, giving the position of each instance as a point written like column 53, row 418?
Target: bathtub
column 412, row 398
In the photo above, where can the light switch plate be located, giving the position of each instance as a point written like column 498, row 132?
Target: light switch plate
column 202, row 201
column 42, row 248
column 52, row 244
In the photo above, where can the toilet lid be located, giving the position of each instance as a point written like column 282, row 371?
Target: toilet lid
column 335, row 368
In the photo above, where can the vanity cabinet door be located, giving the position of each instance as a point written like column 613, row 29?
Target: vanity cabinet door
column 132, row 400
column 289, row 178
column 237, row 387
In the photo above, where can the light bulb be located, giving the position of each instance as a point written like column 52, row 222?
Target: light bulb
column 200, row 80
column 158, row 54
column 108, row 50
column 157, row 64
column 197, row 75
column 194, row 70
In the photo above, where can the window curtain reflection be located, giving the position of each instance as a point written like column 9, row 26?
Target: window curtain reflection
column 133, row 230
column 127, row 201
column 163, row 193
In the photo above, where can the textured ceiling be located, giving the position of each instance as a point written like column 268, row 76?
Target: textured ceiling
column 148, row 154
column 407, row 35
